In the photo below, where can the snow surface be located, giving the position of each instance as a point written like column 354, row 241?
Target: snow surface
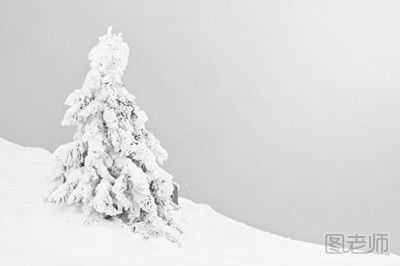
column 35, row 233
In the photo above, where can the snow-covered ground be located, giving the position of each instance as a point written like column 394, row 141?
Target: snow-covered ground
column 35, row 233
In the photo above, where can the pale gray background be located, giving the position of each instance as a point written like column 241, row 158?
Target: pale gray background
column 284, row 115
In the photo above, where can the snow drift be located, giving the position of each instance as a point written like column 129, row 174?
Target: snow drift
column 35, row 233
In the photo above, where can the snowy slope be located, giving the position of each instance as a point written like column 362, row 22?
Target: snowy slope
column 34, row 233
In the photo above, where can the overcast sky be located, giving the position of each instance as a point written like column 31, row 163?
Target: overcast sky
column 284, row 115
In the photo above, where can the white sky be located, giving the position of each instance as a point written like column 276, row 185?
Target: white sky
column 281, row 114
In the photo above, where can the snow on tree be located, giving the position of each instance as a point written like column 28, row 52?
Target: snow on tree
column 111, row 169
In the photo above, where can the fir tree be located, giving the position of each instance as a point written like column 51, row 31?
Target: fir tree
column 111, row 169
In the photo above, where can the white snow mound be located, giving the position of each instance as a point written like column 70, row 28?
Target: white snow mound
column 35, row 233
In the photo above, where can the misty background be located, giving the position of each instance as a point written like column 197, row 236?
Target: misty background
column 283, row 115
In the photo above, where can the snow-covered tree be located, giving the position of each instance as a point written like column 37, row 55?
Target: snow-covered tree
column 111, row 169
